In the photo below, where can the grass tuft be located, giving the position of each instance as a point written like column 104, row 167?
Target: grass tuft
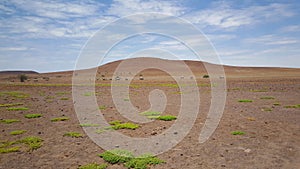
column 293, row 106
column 17, row 108
column 88, row 125
column 167, row 118
column 267, row 97
column 59, row 119
column 94, row 166
column 143, row 162
column 17, row 132
column 118, row 156
column 237, row 133
column 9, row 150
column 266, row 109
column 116, row 125
column 32, row 141
column 11, row 104
column 102, row 107
column 31, row 116
column 73, row 134
column 9, row 121
column 151, row 114
column 245, row 101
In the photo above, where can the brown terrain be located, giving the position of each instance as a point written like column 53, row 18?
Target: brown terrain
column 271, row 122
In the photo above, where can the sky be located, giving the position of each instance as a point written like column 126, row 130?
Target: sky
column 48, row 36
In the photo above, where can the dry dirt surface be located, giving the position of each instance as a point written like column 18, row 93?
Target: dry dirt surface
column 269, row 121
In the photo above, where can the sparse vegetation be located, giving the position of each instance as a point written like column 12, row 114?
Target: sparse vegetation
column 11, row 104
column 64, row 98
column 245, row 101
column 59, row 119
column 94, row 166
column 17, row 108
column 88, row 125
column 15, row 94
column 9, row 121
column 103, row 107
column 31, row 116
column 266, row 109
column 276, row 104
column 237, row 133
column 151, row 114
column 73, row 134
column 167, row 118
column 9, row 150
column 258, row 90
column 116, row 125
column 118, row 156
column 142, row 162
column 62, row 93
column 89, row 94
column 293, row 106
column 267, row 97
column 32, row 141
column 17, row 132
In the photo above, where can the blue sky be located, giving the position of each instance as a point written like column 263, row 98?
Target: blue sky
column 48, row 36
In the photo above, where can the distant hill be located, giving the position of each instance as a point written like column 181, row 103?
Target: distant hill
column 17, row 72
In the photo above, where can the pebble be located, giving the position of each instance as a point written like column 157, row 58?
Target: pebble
column 247, row 150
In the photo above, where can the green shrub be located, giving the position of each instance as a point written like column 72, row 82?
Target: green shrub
column 73, row 134
column 94, row 166
column 17, row 132
column 17, row 108
column 205, row 76
column 167, row 118
column 23, row 77
column 237, row 133
column 8, row 121
column 276, row 104
column 59, row 119
column 31, row 116
column 245, row 101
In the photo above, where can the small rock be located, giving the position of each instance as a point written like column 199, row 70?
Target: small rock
column 153, row 133
column 247, row 150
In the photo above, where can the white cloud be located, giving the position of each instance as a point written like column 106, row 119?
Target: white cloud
column 227, row 17
column 291, row 28
column 14, row 48
column 123, row 8
column 272, row 40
